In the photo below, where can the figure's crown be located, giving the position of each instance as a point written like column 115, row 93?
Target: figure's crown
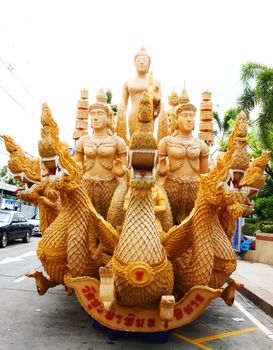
column 185, row 107
column 183, row 98
column 101, row 103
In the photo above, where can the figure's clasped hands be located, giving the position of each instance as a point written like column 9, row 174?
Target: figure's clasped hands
column 119, row 168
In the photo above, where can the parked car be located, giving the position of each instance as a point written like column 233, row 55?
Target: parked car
column 35, row 221
column 13, row 225
column 10, row 204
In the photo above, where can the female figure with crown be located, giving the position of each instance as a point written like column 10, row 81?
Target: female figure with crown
column 182, row 158
column 103, row 158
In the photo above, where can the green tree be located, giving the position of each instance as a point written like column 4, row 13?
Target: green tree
column 109, row 97
column 257, row 82
column 6, row 176
column 224, row 126
column 263, row 205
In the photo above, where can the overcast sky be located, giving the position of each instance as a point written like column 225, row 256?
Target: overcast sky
column 54, row 48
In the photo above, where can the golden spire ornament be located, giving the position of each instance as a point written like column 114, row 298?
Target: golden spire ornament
column 81, row 124
column 206, row 119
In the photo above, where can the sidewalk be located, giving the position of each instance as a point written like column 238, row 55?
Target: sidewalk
column 257, row 279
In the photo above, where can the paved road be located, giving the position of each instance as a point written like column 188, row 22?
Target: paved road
column 55, row 321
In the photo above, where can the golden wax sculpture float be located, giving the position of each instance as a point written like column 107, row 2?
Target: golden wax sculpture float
column 114, row 232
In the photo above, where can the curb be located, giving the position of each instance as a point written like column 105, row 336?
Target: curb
column 255, row 299
column 250, row 294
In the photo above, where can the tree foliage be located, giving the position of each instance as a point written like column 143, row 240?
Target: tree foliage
column 224, row 126
column 257, row 80
column 264, row 208
column 217, row 119
column 109, row 97
column 6, row 176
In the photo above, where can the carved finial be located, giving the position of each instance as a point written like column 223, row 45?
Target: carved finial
column 173, row 98
column 239, row 129
column 183, row 98
column 81, row 124
column 254, row 176
column 142, row 49
column 101, row 96
column 49, row 133
column 151, row 84
column 11, row 145
column 206, row 95
column 262, row 161
column 206, row 119
column 47, row 119
column 19, row 162
column 84, row 94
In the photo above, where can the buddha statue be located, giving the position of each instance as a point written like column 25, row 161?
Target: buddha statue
column 173, row 101
column 133, row 89
column 182, row 158
column 103, row 158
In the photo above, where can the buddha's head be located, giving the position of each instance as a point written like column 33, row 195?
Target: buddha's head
column 185, row 117
column 142, row 61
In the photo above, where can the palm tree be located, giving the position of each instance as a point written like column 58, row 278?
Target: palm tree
column 225, row 126
column 257, row 82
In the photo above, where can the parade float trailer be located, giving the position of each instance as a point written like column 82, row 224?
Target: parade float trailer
column 135, row 267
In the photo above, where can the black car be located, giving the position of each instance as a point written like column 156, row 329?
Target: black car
column 13, row 225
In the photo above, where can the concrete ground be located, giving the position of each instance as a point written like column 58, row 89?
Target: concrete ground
column 257, row 279
column 55, row 321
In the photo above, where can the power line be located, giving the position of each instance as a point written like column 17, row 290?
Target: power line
column 11, row 69
column 13, row 97
column 16, row 100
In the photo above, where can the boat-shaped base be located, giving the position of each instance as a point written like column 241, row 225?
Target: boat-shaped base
column 137, row 319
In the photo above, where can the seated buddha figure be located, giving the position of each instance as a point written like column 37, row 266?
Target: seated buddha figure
column 182, row 158
column 133, row 89
column 103, row 158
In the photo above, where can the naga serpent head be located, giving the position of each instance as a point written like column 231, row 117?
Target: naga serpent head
column 254, row 178
column 143, row 147
column 24, row 168
column 55, row 156
column 226, row 184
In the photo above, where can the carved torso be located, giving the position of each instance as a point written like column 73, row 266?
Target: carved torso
column 184, row 154
column 100, row 152
column 136, row 87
